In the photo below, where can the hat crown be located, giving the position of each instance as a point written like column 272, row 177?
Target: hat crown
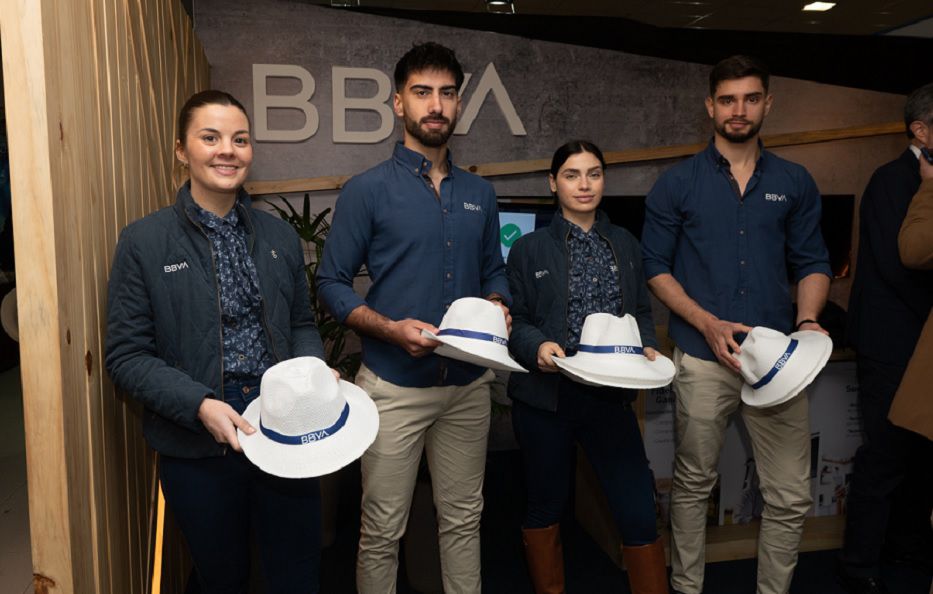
column 300, row 395
column 761, row 350
column 604, row 329
column 478, row 315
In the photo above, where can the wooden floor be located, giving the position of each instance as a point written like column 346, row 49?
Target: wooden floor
column 723, row 543
column 728, row 543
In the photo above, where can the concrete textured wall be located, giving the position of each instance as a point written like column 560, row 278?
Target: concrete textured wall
column 620, row 101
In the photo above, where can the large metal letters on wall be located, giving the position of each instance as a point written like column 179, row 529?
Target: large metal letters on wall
column 489, row 84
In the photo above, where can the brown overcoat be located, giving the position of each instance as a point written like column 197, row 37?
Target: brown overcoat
column 913, row 404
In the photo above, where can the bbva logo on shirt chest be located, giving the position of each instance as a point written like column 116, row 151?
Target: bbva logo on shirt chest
column 776, row 197
column 473, row 207
column 176, row 267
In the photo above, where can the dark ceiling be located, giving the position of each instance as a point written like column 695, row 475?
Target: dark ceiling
column 883, row 45
column 848, row 17
column 887, row 63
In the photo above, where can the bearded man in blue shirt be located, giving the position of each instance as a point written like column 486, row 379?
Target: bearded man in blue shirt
column 722, row 229
column 428, row 233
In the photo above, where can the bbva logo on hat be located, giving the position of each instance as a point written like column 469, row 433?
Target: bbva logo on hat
column 611, row 354
column 308, row 422
column 473, row 330
column 776, row 367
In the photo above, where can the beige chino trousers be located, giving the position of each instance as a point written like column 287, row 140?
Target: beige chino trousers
column 707, row 395
column 450, row 424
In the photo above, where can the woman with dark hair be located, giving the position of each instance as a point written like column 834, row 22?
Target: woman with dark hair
column 581, row 264
column 204, row 296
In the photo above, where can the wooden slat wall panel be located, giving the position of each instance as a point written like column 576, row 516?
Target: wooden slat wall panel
column 92, row 91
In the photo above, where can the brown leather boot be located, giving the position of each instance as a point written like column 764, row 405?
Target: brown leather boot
column 647, row 569
column 545, row 557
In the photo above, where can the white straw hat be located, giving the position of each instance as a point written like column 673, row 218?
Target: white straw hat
column 308, row 423
column 473, row 330
column 777, row 367
column 610, row 353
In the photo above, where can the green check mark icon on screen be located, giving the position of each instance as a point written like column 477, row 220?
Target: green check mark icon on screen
column 509, row 233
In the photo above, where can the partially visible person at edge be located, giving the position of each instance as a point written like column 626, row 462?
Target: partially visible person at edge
column 913, row 405
column 722, row 229
column 204, row 296
column 888, row 500
column 551, row 276
column 428, row 233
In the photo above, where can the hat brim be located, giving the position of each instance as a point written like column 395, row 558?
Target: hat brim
column 316, row 458
column 638, row 375
column 814, row 349
column 470, row 350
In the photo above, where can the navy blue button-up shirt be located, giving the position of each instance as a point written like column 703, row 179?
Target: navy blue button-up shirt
column 732, row 253
column 422, row 253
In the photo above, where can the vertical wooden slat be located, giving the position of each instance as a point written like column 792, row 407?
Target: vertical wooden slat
column 112, row 212
column 27, row 93
column 91, row 93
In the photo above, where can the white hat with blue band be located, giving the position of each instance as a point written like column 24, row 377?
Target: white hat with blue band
column 473, row 330
column 776, row 367
column 610, row 353
column 308, row 423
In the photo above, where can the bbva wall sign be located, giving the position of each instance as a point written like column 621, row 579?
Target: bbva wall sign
column 489, row 83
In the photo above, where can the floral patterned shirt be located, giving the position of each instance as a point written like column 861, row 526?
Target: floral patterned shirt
column 245, row 351
column 594, row 281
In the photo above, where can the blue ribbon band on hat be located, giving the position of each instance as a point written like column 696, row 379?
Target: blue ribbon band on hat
column 309, row 437
column 777, row 366
column 473, row 334
column 622, row 349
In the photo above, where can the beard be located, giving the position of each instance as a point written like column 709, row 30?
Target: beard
column 431, row 138
column 738, row 137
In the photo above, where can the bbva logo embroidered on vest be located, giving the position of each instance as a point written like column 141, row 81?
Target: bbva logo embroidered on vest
column 175, row 267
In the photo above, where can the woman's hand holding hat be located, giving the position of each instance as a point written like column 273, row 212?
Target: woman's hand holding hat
column 546, row 352
column 222, row 422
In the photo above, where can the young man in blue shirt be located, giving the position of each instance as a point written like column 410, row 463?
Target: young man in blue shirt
column 721, row 230
column 428, row 233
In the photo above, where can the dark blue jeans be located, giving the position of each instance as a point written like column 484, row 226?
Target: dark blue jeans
column 221, row 503
column 601, row 420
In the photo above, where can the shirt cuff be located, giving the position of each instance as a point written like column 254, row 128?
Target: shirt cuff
column 817, row 267
column 499, row 287
column 653, row 269
column 344, row 304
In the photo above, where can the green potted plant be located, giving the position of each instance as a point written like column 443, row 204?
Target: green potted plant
column 313, row 229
